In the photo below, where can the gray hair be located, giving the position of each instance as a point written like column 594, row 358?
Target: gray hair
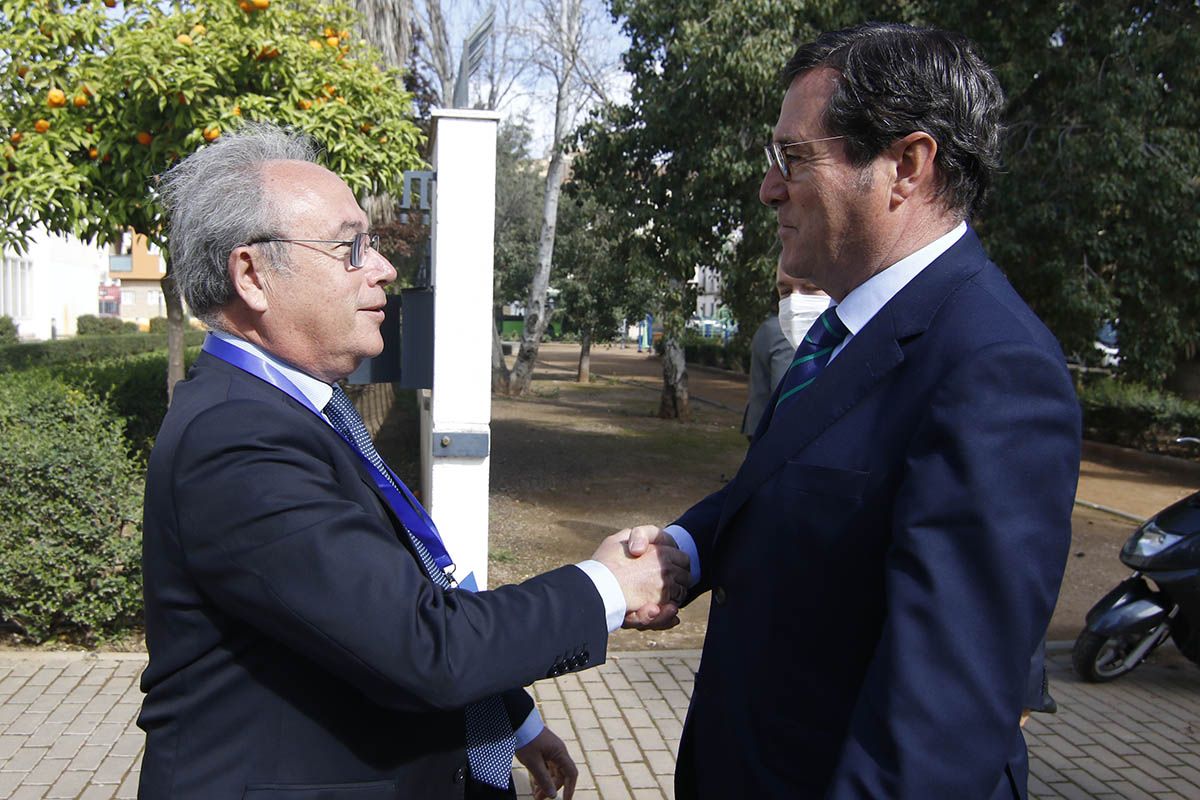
column 896, row 79
column 216, row 202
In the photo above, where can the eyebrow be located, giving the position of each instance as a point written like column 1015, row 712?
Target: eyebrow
column 348, row 227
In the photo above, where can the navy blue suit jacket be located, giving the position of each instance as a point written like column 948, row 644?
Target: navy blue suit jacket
column 297, row 650
column 886, row 560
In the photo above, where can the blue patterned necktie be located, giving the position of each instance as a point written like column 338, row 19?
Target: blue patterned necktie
column 490, row 743
column 813, row 354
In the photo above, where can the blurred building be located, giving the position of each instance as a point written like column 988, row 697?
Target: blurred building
column 138, row 268
column 47, row 288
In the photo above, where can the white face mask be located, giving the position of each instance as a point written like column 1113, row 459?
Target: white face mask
column 797, row 313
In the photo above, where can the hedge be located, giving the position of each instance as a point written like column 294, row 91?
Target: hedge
column 92, row 325
column 713, row 351
column 1132, row 415
column 70, row 534
column 85, row 348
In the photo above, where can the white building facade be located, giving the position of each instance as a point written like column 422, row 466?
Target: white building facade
column 46, row 289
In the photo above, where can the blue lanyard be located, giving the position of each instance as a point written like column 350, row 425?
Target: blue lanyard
column 413, row 516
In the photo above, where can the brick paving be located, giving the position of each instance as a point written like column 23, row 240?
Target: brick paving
column 67, row 728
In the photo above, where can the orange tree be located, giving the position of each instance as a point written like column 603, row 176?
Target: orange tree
column 99, row 98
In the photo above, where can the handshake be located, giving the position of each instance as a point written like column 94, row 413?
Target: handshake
column 653, row 573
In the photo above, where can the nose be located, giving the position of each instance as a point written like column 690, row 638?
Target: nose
column 381, row 272
column 773, row 190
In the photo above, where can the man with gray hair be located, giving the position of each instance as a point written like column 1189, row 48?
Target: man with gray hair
column 885, row 562
column 306, row 639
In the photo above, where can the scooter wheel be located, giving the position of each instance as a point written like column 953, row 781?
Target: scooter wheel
column 1098, row 658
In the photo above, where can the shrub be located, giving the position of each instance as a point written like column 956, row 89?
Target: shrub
column 84, row 349
column 70, row 535
column 1132, row 415
column 8, row 330
column 158, row 325
column 134, row 387
column 91, row 325
column 713, row 351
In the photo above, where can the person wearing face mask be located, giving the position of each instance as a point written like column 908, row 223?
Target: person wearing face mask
column 774, row 344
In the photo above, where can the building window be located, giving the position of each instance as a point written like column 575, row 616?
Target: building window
column 15, row 277
column 127, row 298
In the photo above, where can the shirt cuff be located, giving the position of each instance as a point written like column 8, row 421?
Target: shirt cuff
column 610, row 592
column 685, row 542
column 530, row 728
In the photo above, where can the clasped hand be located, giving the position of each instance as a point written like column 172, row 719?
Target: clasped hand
column 653, row 574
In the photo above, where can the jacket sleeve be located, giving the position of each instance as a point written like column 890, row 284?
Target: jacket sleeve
column 277, row 538
column 981, row 531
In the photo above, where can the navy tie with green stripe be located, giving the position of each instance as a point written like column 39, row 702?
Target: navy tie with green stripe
column 813, row 354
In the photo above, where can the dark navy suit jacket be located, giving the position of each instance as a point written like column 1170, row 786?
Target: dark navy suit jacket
column 887, row 558
column 297, row 650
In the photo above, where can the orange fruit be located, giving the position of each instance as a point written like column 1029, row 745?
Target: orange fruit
column 211, row 134
column 268, row 52
column 182, row 98
column 365, row 127
column 330, row 89
column 80, row 100
column 260, row 5
column 41, row 126
column 56, row 98
column 332, row 41
column 340, row 99
column 110, row 3
column 15, row 138
column 383, row 140
column 244, row 5
column 199, row 30
column 304, row 103
column 22, row 71
column 315, row 44
column 343, row 35
column 107, row 158
column 236, row 111
column 184, row 40
column 93, row 153
column 88, row 129
column 143, row 138
column 329, row 32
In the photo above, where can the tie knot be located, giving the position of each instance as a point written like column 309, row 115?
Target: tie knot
column 827, row 330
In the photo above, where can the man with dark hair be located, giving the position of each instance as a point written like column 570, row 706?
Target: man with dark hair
column 886, row 560
column 306, row 639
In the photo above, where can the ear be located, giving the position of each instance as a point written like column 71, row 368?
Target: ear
column 913, row 157
column 248, row 271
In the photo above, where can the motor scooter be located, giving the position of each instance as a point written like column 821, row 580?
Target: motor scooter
column 1160, row 599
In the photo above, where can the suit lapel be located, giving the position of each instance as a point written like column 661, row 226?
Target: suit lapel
column 870, row 355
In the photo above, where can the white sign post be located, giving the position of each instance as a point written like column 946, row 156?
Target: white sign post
column 456, row 416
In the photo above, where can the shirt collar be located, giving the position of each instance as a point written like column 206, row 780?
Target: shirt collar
column 864, row 302
column 317, row 391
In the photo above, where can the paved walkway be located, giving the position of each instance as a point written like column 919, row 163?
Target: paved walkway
column 67, row 728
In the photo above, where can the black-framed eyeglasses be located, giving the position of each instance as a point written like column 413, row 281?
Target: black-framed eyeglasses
column 777, row 153
column 360, row 246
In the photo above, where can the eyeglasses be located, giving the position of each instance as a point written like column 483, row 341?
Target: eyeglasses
column 360, row 246
column 777, row 154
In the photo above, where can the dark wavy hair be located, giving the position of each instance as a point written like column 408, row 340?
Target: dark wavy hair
column 896, row 79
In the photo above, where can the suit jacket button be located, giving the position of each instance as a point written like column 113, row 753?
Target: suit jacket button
column 460, row 774
column 719, row 595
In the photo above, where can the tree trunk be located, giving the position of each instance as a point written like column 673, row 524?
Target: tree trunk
column 537, row 312
column 585, row 356
column 500, row 375
column 174, row 332
column 674, row 403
